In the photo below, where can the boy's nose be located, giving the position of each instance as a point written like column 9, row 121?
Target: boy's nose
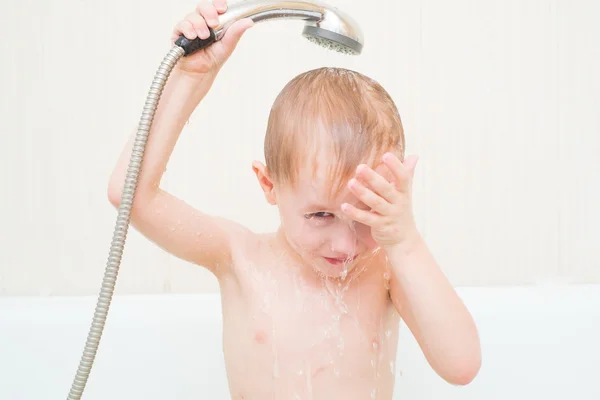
column 344, row 241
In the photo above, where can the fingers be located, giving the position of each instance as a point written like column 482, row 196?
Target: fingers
column 197, row 24
column 220, row 5
column 361, row 216
column 377, row 183
column 411, row 163
column 369, row 198
column 403, row 173
column 209, row 13
column 186, row 28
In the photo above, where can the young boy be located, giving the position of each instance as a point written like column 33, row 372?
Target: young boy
column 311, row 311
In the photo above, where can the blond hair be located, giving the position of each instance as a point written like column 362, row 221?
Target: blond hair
column 336, row 109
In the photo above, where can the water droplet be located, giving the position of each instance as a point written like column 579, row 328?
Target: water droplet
column 392, row 367
column 388, row 333
column 386, row 280
column 340, row 345
column 300, row 372
column 172, row 229
column 373, row 363
column 373, row 393
column 375, row 345
column 336, row 371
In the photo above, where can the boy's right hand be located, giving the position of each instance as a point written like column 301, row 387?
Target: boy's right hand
column 196, row 24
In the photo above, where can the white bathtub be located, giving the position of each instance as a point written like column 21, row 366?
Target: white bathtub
column 538, row 343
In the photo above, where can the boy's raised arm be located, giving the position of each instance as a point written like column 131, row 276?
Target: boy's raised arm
column 164, row 219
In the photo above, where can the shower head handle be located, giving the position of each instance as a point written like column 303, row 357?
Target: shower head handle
column 324, row 24
column 264, row 10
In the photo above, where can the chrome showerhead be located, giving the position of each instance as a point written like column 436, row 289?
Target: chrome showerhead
column 325, row 25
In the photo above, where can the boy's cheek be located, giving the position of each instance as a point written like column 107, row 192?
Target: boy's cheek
column 301, row 235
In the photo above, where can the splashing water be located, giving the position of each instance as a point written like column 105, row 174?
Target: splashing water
column 386, row 280
column 338, row 295
column 344, row 273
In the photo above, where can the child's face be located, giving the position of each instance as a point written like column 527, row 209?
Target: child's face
column 316, row 228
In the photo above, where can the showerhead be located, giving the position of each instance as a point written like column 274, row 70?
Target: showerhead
column 325, row 25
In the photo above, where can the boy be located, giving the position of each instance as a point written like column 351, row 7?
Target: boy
column 311, row 311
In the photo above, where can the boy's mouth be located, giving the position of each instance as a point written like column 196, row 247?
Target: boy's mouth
column 340, row 261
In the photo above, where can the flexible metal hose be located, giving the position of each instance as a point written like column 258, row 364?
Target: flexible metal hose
column 122, row 225
column 325, row 25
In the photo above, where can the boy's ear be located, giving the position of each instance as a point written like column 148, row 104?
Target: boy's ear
column 264, row 181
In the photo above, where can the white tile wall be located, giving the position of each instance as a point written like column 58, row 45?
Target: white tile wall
column 501, row 100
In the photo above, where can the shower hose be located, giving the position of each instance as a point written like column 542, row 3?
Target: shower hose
column 182, row 47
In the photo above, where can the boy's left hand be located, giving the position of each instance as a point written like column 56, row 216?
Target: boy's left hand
column 390, row 201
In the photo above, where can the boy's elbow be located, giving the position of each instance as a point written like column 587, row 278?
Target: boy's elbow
column 143, row 196
column 464, row 372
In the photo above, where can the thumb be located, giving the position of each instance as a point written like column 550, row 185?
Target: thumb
column 234, row 34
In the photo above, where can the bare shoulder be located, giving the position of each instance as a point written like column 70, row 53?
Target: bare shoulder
column 377, row 277
column 248, row 246
column 248, row 249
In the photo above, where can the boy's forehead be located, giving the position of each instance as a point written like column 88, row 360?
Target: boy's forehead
column 316, row 182
column 320, row 170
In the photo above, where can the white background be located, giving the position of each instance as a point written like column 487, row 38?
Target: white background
column 500, row 99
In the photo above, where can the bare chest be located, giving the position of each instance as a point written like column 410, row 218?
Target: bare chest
column 306, row 336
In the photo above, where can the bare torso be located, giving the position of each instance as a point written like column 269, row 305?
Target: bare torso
column 289, row 334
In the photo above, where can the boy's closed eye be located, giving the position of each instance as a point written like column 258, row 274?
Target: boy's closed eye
column 323, row 215
column 319, row 215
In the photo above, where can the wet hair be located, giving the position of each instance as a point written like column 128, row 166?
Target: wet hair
column 342, row 112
